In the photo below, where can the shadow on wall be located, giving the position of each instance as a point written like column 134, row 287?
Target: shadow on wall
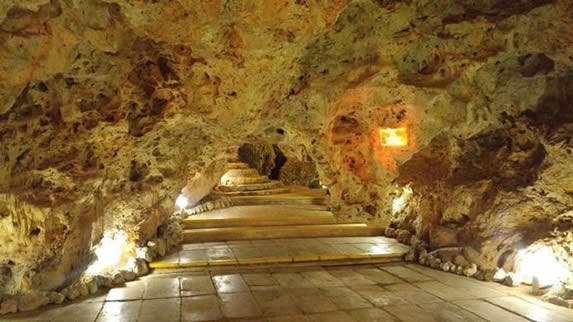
column 271, row 161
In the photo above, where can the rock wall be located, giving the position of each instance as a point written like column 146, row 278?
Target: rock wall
column 108, row 107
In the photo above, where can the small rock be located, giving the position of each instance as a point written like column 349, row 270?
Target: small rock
column 410, row 256
column 128, row 275
column 161, row 246
column 445, row 266
column 117, row 278
column 499, row 275
column 460, row 270
column 56, row 297
column 453, row 268
column 9, row 305
column 390, row 232
column 32, row 301
column 553, row 299
column 512, row 279
column 414, row 240
column 139, row 267
column 435, row 262
column 103, row 281
column 92, row 286
column 84, row 290
column 404, row 236
column 479, row 275
column 470, row 271
column 72, row 293
column 144, row 253
column 489, row 274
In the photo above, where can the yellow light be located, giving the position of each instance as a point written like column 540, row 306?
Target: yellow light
column 540, row 261
column 181, row 202
column 111, row 251
column 399, row 203
column 394, row 137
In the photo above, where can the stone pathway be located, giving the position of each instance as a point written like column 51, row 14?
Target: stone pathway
column 390, row 292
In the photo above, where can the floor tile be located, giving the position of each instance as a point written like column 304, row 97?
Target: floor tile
column 164, row 310
column 322, row 279
column 345, row 298
column 450, row 312
column 530, row 310
column 238, row 305
column 200, row 308
column 190, row 256
column 312, row 300
column 372, row 315
column 81, row 312
column 197, row 285
column 259, row 279
column 378, row 276
column 292, row 280
column 379, row 296
column 161, row 288
column 232, row 283
column 338, row 316
column 412, row 313
column 406, row 274
column 350, row 277
column 276, row 302
column 131, row 291
column 452, row 293
column 489, row 311
column 120, row 311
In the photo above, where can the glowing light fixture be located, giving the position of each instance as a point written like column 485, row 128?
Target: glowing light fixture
column 181, row 202
column 396, row 137
column 225, row 180
column 539, row 262
column 399, row 202
column 113, row 248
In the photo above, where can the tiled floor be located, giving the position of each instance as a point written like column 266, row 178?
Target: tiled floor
column 250, row 252
column 393, row 292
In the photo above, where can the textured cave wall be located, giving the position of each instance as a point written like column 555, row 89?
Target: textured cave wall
column 108, row 108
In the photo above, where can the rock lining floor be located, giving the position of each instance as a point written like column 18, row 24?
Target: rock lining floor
column 390, row 292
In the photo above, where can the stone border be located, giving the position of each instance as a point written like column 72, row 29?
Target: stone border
column 220, row 203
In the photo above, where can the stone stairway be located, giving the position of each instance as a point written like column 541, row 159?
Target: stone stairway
column 240, row 180
column 264, row 212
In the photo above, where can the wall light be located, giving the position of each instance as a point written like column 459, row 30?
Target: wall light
column 540, row 262
column 181, row 202
column 394, row 137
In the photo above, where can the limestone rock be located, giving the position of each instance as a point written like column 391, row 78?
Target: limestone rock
column 108, row 113
column 471, row 270
column 8, row 305
column 56, row 297
column 32, row 301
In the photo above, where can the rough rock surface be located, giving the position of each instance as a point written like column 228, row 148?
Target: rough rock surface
column 109, row 108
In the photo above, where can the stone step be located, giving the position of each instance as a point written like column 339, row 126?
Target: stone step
column 284, row 231
column 266, row 192
column 279, row 217
column 237, row 165
column 249, row 172
column 229, row 181
column 313, row 197
column 293, row 252
column 254, row 186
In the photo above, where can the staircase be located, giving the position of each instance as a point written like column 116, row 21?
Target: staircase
column 270, row 223
column 266, row 209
